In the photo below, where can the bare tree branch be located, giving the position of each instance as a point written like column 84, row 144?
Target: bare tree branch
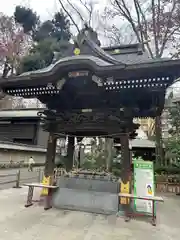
column 154, row 21
column 144, row 29
column 14, row 44
column 69, row 15
column 89, row 8
column 139, row 19
column 154, row 27
column 126, row 13
column 166, row 36
column 76, row 10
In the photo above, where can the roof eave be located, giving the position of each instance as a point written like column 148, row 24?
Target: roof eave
column 77, row 64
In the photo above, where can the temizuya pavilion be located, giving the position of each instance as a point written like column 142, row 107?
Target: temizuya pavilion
column 96, row 93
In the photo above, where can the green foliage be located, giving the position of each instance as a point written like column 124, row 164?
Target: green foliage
column 172, row 144
column 49, row 37
column 31, row 62
column 46, row 49
column 116, row 168
column 61, row 162
column 166, row 170
column 94, row 161
column 27, row 18
column 116, row 172
column 174, row 115
column 170, row 174
column 42, row 54
column 173, row 148
column 57, row 28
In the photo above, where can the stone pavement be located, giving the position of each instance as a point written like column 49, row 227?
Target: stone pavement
column 19, row 223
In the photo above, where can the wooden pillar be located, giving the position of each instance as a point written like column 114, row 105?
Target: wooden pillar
column 109, row 142
column 70, row 153
column 159, row 143
column 126, row 160
column 125, row 184
column 50, row 156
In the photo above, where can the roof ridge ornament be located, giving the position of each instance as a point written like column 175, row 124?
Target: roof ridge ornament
column 87, row 32
column 90, row 36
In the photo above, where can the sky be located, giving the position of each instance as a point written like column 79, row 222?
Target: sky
column 44, row 8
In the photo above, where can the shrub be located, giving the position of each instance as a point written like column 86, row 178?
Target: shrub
column 116, row 172
column 167, row 170
column 169, row 174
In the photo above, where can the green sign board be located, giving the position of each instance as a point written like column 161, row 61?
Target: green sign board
column 143, row 185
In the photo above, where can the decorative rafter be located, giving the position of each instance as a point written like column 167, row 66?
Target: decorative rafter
column 110, row 84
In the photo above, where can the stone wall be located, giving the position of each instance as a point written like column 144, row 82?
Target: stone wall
column 90, row 195
column 42, row 137
column 21, row 153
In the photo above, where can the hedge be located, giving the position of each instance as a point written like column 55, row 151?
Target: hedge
column 167, row 170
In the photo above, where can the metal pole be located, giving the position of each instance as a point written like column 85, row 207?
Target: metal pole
column 17, row 185
column 39, row 175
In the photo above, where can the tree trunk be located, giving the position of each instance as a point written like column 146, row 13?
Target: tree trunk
column 109, row 155
column 159, row 143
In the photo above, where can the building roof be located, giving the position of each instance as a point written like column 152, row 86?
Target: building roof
column 87, row 81
column 145, row 69
column 140, row 143
column 122, row 60
column 20, row 147
column 176, row 99
column 20, row 113
column 129, row 54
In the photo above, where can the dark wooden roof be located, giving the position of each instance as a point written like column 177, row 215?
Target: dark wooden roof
column 128, row 54
column 116, row 77
column 151, row 68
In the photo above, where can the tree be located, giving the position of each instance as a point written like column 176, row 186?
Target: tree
column 58, row 28
column 14, row 44
column 154, row 23
column 172, row 144
column 81, row 12
column 89, row 12
column 31, row 62
column 28, row 19
column 49, row 37
column 45, row 50
column 101, row 155
column 116, row 35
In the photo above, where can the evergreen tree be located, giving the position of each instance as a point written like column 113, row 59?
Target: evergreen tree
column 57, row 28
column 49, row 37
column 172, row 144
column 27, row 18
